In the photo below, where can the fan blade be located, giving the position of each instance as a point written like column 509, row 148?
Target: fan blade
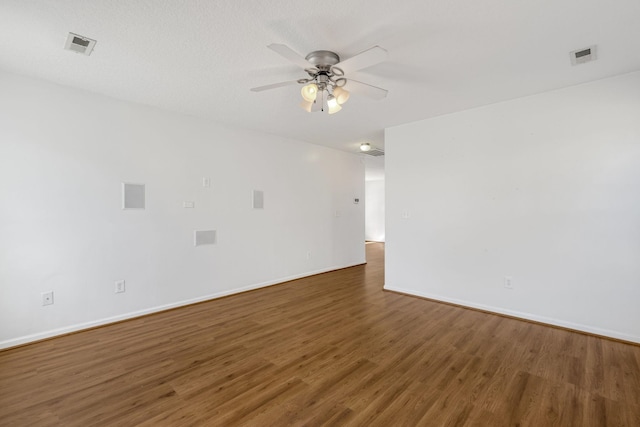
column 362, row 60
column 290, row 54
column 272, row 86
column 365, row 89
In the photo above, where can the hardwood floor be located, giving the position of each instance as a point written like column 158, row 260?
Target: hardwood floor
column 332, row 349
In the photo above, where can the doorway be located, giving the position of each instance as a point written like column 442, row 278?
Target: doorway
column 374, row 199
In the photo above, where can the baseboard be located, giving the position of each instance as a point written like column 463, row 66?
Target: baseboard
column 15, row 342
column 522, row 315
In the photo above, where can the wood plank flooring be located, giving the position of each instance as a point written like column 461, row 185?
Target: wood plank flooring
column 332, row 349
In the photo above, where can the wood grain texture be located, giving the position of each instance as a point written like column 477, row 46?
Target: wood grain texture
column 332, row 349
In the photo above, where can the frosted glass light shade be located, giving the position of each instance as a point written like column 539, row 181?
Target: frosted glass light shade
column 333, row 105
column 309, row 92
column 342, row 95
column 365, row 146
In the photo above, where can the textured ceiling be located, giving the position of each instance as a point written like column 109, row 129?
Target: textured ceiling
column 201, row 57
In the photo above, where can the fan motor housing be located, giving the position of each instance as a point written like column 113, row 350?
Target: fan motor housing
column 323, row 58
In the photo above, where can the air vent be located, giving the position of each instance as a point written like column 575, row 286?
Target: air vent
column 79, row 44
column 374, row 152
column 585, row 55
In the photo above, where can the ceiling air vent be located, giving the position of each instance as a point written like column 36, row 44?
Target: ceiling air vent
column 374, row 152
column 582, row 56
column 79, row 44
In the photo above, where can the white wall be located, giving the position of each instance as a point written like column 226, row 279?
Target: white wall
column 544, row 189
column 63, row 155
column 374, row 210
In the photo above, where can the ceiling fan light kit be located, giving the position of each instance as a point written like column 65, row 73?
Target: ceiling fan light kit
column 342, row 95
column 309, row 92
column 333, row 105
column 324, row 88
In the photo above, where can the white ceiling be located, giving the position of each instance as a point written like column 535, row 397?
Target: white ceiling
column 200, row 57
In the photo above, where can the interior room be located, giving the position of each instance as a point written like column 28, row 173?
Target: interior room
column 334, row 213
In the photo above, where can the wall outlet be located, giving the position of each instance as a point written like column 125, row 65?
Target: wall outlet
column 188, row 204
column 206, row 182
column 405, row 214
column 308, row 254
column 508, row 283
column 119, row 286
column 47, row 298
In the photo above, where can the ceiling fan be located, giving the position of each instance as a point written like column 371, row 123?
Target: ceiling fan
column 325, row 86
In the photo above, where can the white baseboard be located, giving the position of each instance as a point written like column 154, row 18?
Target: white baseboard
column 131, row 315
column 522, row 315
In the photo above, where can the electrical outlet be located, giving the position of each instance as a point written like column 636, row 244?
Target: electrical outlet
column 308, row 254
column 405, row 214
column 47, row 298
column 119, row 286
column 206, row 182
column 508, row 284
